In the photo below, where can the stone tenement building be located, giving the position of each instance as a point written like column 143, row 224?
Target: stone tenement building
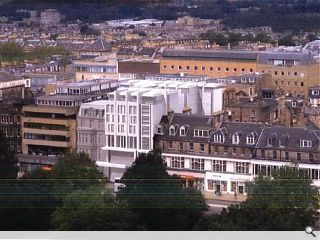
column 14, row 93
column 224, row 159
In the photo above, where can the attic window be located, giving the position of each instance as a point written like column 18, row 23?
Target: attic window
column 235, row 138
column 218, row 138
column 294, row 104
column 269, row 141
column 201, row 133
column 251, row 139
column 306, row 143
column 159, row 129
column 182, row 131
column 172, row 131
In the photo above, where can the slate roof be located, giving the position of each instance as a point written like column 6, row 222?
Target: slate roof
column 291, row 136
column 100, row 45
column 191, row 122
column 226, row 54
column 243, row 129
column 304, row 58
column 294, row 136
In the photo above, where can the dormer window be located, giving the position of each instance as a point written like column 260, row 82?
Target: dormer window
column 250, row 139
column 294, row 103
column 182, row 131
column 218, row 138
column 306, row 143
column 235, row 138
column 201, row 133
column 172, row 131
column 159, row 129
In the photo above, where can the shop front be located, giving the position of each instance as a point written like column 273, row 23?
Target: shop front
column 224, row 183
column 195, row 180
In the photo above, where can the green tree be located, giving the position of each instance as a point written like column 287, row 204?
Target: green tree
column 8, row 159
column 287, row 201
column 159, row 200
column 286, row 41
column 93, row 209
column 11, row 51
column 27, row 203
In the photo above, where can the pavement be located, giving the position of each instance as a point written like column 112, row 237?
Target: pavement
column 225, row 197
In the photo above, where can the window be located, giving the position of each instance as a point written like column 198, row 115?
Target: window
column 201, row 147
column 225, row 150
column 191, row 146
column 188, row 67
column 253, row 113
column 218, row 166
column 286, row 155
column 269, row 141
column 211, row 68
column 251, row 70
column 306, row 143
column 159, row 130
column 219, row 69
column 263, row 153
column 234, row 150
column 172, row 66
column 170, row 145
column 242, row 167
column 195, row 68
column 197, row 164
column 180, row 67
column 227, row 69
column 182, row 131
column 242, row 69
column 310, row 157
column 203, row 68
column 177, row 162
column 298, row 156
column 274, row 155
column 181, row 145
column 172, row 131
column 218, row 138
column 251, row 139
column 235, row 138
column 234, row 69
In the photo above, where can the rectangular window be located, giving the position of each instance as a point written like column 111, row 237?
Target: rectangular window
column 201, row 147
column 181, row 146
column 218, row 166
column 170, row 145
column 177, row 162
column 242, row 167
column 191, row 146
column 286, row 155
column 298, row 156
column 197, row 164
column 274, row 155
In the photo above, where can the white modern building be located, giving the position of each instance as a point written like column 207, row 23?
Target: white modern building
column 133, row 111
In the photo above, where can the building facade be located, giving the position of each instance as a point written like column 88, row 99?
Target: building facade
column 49, row 127
column 224, row 159
column 91, row 130
column 136, row 107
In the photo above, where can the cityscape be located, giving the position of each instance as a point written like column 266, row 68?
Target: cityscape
column 163, row 115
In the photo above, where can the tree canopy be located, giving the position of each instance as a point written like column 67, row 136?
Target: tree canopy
column 8, row 159
column 93, row 209
column 159, row 200
column 287, row 201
